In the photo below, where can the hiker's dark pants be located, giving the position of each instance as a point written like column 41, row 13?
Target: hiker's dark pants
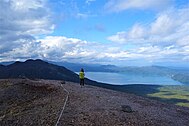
column 82, row 82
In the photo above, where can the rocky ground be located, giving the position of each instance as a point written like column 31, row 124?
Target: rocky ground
column 26, row 102
column 29, row 103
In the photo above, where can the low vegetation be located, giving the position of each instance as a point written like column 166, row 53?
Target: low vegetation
column 175, row 94
column 178, row 95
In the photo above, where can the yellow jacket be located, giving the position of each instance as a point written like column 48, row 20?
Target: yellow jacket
column 81, row 75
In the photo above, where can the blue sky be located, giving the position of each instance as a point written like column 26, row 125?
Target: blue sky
column 120, row 32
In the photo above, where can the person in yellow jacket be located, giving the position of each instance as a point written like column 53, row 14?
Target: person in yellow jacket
column 81, row 76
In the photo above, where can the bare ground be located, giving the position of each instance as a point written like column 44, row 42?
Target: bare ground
column 93, row 106
column 26, row 102
column 29, row 103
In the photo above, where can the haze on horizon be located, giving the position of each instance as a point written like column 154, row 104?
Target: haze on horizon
column 119, row 32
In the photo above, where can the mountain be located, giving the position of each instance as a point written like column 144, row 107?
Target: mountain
column 181, row 77
column 7, row 63
column 2, row 66
column 87, row 67
column 177, row 73
column 37, row 69
column 150, row 70
column 112, row 68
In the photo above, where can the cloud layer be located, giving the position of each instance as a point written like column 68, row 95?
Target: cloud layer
column 21, row 21
column 167, row 35
column 121, row 5
column 26, row 27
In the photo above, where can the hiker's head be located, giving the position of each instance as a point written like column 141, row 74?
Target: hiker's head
column 82, row 70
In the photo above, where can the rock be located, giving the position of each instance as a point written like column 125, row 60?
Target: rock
column 98, row 96
column 63, row 82
column 126, row 108
column 2, row 117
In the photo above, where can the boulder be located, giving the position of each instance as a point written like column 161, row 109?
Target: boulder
column 126, row 108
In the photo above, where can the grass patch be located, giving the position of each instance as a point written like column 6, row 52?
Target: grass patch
column 173, row 94
column 178, row 95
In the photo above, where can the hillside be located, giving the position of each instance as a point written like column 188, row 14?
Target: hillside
column 37, row 69
column 182, row 77
column 39, row 102
column 31, row 103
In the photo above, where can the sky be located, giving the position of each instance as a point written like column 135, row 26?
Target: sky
column 118, row 32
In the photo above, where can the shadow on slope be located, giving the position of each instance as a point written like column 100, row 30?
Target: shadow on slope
column 177, row 94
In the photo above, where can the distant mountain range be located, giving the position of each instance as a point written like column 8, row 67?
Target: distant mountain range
column 7, row 63
column 63, row 70
column 112, row 68
column 87, row 67
column 177, row 73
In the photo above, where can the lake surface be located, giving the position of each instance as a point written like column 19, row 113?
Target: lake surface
column 127, row 78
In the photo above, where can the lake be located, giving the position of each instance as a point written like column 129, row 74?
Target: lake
column 127, row 78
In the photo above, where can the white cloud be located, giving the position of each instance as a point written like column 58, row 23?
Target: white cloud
column 60, row 48
column 119, row 37
column 25, row 5
column 163, row 25
column 89, row 1
column 184, row 41
column 63, row 48
column 81, row 15
column 169, row 27
column 136, row 34
column 121, row 5
column 168, row 33
column 21, row 21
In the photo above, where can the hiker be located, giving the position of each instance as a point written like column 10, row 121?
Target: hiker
column 81, row 76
